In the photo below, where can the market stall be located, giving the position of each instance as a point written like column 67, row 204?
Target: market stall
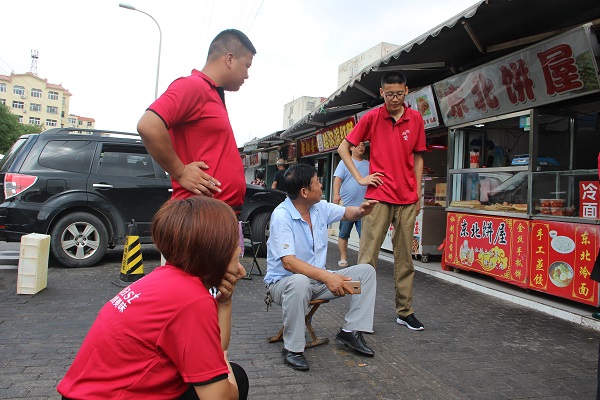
column 522, row 181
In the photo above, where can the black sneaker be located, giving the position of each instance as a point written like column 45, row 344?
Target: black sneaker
column 411, row 322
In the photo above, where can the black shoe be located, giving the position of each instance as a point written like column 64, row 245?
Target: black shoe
column 411, row 322
column 295, row 360
column 355, row 341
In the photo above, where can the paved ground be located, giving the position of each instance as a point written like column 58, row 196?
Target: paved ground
column 475, row 346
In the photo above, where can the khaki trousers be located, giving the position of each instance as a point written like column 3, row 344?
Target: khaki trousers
column 374, row 229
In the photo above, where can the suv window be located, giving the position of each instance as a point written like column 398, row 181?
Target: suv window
column 12, row 153
column 123, row 160
column 68, row 155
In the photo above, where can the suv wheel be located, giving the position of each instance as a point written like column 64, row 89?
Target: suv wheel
column 78, row 240
column 260, row 231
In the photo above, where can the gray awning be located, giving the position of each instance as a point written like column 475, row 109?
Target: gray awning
column 488, row 30
column 264, row 143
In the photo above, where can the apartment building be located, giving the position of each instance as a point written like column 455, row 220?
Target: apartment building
column 75, row 121
column 298, row 108
column 37, row 102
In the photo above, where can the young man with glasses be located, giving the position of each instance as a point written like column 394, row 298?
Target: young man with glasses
column 397, row 137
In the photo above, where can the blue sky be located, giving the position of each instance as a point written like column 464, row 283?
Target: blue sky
column 106, row 56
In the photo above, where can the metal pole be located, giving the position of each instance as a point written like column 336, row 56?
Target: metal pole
column 130, row 7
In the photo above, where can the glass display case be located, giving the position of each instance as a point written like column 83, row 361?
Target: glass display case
column 502, row 189
column 488, row 168
column 565, row 195
column 523, row 200
column 523, row 163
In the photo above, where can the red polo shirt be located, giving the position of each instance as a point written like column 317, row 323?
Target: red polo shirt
column 193, row 110
column 392, row 144
column 150, row 341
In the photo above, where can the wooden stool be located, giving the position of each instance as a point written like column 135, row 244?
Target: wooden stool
column 314, row 306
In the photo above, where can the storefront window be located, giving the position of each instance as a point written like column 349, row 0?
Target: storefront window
column 565, row 181
column 543, row 163
column 490, row 164
column 568, row 193
column 554, row 142
column 492, row 144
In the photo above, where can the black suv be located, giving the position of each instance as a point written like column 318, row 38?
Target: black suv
column 83, row 187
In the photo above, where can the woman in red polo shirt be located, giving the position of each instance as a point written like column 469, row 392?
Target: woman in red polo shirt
column 166, row 336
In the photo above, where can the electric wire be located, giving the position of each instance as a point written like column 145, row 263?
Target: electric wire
column 255, row 14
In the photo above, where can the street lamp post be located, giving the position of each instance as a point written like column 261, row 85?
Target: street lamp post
column 130, row 7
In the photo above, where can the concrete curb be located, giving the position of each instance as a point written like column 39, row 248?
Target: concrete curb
column 567, row 315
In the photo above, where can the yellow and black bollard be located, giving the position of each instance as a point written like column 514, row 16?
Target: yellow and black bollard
column 132, row 267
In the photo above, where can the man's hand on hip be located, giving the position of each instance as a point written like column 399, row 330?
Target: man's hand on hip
column 195, row 180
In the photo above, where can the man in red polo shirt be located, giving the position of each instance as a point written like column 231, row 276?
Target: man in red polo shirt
column 187, row 129
column 396, row 135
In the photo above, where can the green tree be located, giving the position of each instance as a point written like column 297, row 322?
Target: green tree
column 11, row 129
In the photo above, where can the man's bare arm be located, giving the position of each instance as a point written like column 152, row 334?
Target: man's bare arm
column 337, row 184
column 344, row 152
column 418, row 177
column 353, row 213
column 157, row 140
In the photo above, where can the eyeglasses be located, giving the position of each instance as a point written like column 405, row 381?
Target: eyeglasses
column 391, row 95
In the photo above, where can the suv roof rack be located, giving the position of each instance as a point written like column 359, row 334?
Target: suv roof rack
column 90, row 132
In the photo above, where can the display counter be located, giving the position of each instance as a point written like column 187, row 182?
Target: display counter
column 533, row 226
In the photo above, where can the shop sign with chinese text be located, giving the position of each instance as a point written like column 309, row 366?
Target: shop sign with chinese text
column 423, row 101
column 588, row 199
column 494, row 246
column 327, row 139
column 562, row 257
column 308, row 146
column 557, row 69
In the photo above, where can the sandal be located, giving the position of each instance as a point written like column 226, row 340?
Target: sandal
column 342, row 263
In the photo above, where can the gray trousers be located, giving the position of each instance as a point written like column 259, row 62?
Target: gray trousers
column 294, row 292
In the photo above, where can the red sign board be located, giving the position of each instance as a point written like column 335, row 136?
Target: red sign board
column 309, row 146
column 557, row 69
column 561, row 259
column 327, row 139
column 331, row 137
column 494, row 246
column 588, row 199
column 551, row 257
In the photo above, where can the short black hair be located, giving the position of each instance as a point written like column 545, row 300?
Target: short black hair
column 391, row 78
column 297, row 177
column 260, row 175
column 230, row 41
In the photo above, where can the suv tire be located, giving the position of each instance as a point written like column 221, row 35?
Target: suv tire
column 78, row 240
column 260, row 231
